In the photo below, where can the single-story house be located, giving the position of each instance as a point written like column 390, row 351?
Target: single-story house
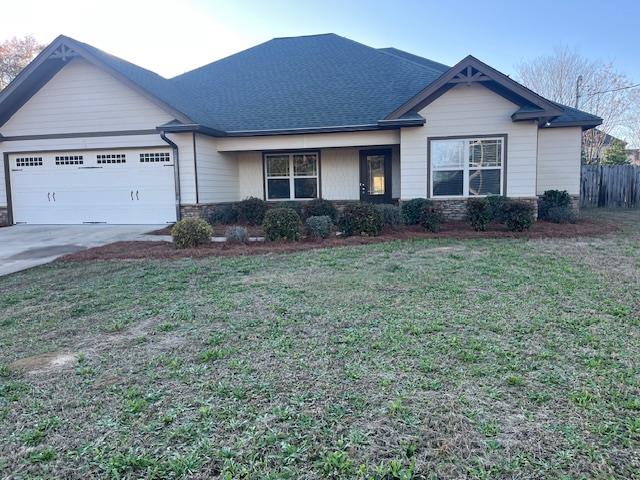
column 88, row 137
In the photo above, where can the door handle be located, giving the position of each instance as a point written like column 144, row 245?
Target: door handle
column 137, row 198
column 49, row 196
column 131, row 194
column 54, row 196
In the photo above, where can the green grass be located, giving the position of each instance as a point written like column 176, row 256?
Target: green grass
column 418, row 359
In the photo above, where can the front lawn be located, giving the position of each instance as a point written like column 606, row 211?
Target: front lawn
column 431, row 358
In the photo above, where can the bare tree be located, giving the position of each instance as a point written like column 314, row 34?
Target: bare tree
column 15, row 54
column 602, row 91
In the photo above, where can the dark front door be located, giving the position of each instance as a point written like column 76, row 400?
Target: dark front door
column 375, row 176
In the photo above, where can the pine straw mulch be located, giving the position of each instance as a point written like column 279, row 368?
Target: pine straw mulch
column 456, row 230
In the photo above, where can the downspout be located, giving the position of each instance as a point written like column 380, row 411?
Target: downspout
column 176, row 171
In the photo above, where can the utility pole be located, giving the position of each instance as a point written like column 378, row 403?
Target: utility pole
column 578, row 85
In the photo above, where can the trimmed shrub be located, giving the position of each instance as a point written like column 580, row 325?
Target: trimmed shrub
column 224, row 214
column 320, row 207
column 252, row 210
column 293, row 205
column 554, row 199
column 412, row 210
column 518, row 215
column 431, row 218
column 479, row 213
column 236, row 234
column 391, row 215
column 191, row 232
column 561, row 215
column 361, row 219
column 496, row 206
column 281, row 224
column 318, row 226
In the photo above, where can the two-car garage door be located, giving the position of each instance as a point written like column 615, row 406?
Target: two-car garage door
column 99, row 186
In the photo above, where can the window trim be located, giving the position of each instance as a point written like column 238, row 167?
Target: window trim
column 291, row 177
column 503, row 181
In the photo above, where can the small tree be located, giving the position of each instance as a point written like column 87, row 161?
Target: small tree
column 616, row 154
column 15, row 54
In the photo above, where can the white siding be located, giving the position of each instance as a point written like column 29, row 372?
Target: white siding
column 186, row 166
column 470, row 110
column 315, row 140
column 559, row 159
column 250, row 174
column 217, row 172
column 84, row 98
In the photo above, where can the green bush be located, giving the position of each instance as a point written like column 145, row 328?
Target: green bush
column 236, row 234
column 225, row 214
column 412, row 210
column 479, row 213
column 496, row 206
column 518, row 215
column 391, row 215
column 431, row 218
column 191, row 232
column 318, row 226
column 553, row 199
column 319, row 208
column 360, row 219
column 281, row 224
column 252, row 210
column 293, row 205
column 561, row 215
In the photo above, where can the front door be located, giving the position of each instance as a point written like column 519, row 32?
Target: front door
column 375, row 176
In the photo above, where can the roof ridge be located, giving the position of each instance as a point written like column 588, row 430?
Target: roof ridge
column 306, row 36
column 386, row 51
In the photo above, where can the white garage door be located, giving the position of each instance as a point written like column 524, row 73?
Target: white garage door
column 119, row 186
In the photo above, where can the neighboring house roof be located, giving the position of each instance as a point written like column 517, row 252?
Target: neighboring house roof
column 608, row 139
column 291, row 85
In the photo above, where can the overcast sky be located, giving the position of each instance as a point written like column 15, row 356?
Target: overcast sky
column 170, row 37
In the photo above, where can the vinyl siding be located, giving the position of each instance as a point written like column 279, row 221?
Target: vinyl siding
column 470, row 110
column 559, row 159
column 217, row 172
column 84, row 98
column 250, row 174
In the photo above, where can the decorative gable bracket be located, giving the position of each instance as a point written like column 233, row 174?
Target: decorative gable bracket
column 470, row 75
column 63, row 53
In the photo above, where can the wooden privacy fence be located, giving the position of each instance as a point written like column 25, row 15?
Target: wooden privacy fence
column 610, row 186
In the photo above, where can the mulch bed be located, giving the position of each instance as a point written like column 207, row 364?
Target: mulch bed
column 218, row 230
column 456, row 230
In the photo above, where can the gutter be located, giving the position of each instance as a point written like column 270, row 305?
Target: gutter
column 176, row 171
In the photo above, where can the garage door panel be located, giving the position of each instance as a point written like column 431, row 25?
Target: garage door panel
column 93, row 187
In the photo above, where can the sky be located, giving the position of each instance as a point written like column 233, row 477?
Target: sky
column 171, row 37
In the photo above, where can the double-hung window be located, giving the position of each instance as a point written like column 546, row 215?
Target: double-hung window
column 467, row 167
column 291, row 176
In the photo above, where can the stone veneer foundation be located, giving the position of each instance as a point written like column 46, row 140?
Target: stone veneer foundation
column 4, row 216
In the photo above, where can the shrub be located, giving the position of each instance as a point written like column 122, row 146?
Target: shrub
column 496, row 206
column 293, row 205
column 479, row 213
column 319, row 208
column 281, row 224
column 319, row 226
column 412, row 209
column 554, row 199
column 431, row 218
column 252, row 210
column 391, row 215
column 561, row 215
column 191, row 232
column 361, row 219
column 236, row 234
column 225, row 214
column 518, row 215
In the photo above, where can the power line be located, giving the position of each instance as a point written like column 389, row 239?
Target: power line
column 614, row 90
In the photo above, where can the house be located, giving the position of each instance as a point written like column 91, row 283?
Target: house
column 87, row 137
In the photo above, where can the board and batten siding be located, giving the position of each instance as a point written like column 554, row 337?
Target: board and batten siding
column 339, row 173
column 559, row 160
column 217, row 172
column 469, row 111
column 84, row 98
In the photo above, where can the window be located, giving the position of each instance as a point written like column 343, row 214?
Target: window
column 111, row 158
column 155, row 157
column 70, row 160
column 467, row 167
column 29, row 162
column 291, row 175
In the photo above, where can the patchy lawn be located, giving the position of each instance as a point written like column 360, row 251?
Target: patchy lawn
column 431, row 358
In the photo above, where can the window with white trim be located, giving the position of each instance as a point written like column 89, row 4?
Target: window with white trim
column 105, row 158
column 467, row 167
column 29, row 162
column 291, row 176
column 69, row 160
column 155, row 157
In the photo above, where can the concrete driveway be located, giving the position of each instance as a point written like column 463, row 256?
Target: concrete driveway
column 25, row 246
